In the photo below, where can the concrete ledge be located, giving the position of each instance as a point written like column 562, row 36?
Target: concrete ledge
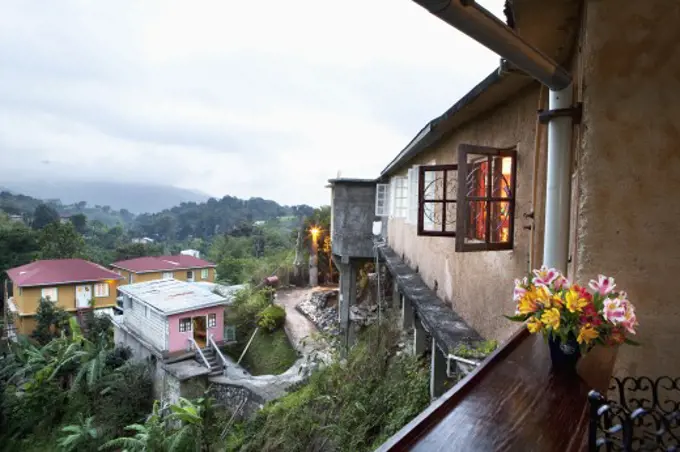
column 446, row 327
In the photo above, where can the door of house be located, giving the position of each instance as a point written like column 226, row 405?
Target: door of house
column 190, row 276
column 83, row 296
column 200, row 331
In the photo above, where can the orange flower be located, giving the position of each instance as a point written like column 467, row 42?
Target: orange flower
column 575, row 301
column 534, row 325
column 551, row 318
column 587, row 334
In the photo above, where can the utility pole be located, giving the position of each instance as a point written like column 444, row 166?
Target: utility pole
column 314, row 258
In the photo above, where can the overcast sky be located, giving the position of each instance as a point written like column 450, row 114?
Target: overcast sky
column 248, row 98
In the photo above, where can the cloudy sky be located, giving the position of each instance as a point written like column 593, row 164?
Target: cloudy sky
column 249, row 98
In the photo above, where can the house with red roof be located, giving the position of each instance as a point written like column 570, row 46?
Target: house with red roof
column 182, row 267
column 71, row 284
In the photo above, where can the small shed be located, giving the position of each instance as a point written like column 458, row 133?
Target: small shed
column 173, row 316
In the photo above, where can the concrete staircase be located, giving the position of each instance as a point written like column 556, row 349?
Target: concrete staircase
column 216, row 365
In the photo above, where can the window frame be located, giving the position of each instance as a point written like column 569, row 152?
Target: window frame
column 422, row 170
column 399, row 200
column 205, row 273
column 382, row 209
column 182, row 325
column 56, row 293
column 463, row 151
column 164, row 275
column 191, row 278
column 212, row 320
column 102, row 284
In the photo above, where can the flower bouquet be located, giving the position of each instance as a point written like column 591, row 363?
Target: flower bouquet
column 572, row 318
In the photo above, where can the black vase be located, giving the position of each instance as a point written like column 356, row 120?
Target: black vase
column 564, row 355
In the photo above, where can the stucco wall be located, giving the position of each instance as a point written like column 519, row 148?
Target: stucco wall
column 178, row 340
column 629, row 169
column 479, row 284
column 29, row 299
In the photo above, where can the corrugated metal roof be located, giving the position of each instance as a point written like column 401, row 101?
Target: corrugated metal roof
column 170, row 296
column 59, row 271
column 162, row 263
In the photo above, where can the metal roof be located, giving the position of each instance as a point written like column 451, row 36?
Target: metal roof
column 59, row 271
column 170, row 296
column 162, row 263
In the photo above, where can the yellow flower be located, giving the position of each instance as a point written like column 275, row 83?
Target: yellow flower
column 587, row 334
column 527, row 304
column 575, row 302
column 534, row 325
column 551, row 318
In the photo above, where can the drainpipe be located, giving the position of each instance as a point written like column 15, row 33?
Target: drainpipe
column 482, row 26
column 558, row 187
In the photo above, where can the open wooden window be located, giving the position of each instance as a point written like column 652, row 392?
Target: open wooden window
column 437, row 186
column 486, row 198
column 382, row 196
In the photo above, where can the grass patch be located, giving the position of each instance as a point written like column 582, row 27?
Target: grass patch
column 269, row 354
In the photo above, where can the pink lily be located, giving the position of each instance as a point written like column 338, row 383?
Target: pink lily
column 604, row 285
column 520, row 289
column 545, row 276
column 614, row 311
column 561, row 283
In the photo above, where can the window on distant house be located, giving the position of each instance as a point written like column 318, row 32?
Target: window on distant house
column 185, row 324
column 382, row 203
column 50, row 293
column 101, row 290
column 131, row 278
column 190, row 276
column 478, row 211
column 399, row 197
column 205, row 273
column 212, row 320
column 167, row 275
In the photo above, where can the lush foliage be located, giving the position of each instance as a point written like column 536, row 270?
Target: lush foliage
column 552, row 305
column 61, row 241
column 352, row 405
column 477, row 351
column 75, row 391
column 212, row 218
column 271, row 318
column 18, row 245
column 50, row 321
column 191, row 425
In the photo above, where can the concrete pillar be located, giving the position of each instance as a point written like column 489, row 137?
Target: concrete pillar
column 406, row 313
column 418, row 338
column 348, row 293
column 395, row 295
column 437, row 372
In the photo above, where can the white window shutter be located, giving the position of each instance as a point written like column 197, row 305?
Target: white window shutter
column 382, row 194
column 392, row 194
column 413, row 195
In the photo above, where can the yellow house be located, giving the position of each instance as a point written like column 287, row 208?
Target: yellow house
column 71, row 284
column 181, row 267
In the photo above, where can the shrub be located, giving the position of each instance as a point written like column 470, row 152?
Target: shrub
column 271, row 318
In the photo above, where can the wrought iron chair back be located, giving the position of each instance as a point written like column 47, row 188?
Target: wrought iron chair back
column 646, row 416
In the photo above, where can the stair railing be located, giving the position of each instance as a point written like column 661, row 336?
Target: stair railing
column 193, row 344
column 212, row 343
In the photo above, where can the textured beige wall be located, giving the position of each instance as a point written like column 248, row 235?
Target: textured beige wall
column 629, row 170
column 479, row 284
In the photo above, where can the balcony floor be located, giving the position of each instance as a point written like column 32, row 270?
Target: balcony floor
column 514, row 402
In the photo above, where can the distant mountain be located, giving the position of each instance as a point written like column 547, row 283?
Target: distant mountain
column 137, row 198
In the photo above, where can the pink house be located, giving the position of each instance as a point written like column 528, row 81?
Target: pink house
column 173, row 317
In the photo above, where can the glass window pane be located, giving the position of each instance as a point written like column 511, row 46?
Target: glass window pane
column 475, row 222
column 500, row 222
column 501, row 180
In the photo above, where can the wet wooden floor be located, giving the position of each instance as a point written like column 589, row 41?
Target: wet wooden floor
column 518, row 403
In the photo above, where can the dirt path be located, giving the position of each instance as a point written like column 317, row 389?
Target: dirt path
column 297, row 325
